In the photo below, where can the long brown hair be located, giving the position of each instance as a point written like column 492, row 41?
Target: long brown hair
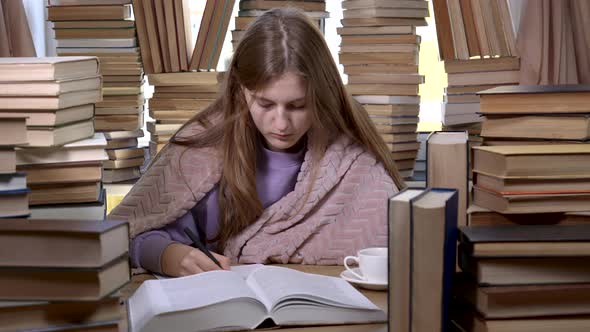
column 281, row 40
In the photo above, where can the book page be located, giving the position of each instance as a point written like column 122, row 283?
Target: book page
column 243, row 270
column 176, row 294
column 246, row 270
column 275, row 285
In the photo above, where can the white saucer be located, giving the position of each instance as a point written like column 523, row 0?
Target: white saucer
column 346, row 275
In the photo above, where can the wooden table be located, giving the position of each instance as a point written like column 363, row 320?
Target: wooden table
column 377, row 297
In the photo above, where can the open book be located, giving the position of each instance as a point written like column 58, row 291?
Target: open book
column 246, row 298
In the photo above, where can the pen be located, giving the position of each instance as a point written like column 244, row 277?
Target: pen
column 200, row 246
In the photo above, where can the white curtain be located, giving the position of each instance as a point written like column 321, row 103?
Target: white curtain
column 15, row 34
column 35, row 10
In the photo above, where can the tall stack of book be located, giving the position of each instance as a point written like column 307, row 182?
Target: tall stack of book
column 14, row 195
column 250, row 9
column 57, row 96
column 528, row 186
column 177, row 98
column 477, row 44
column 63, row 275
column 379, row 51
column 106, row 29
column 551, row 177
column 523, row 278
column 66, row 181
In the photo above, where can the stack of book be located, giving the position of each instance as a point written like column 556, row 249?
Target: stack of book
column 523, row 278
column 177, row 98
column 63, row 275
column 14, row 200
column 477, row 44
column 106, row 29
column 250, row 9
column 56, row 96
column 517, row 115
column 522, row 173
column 461, row 107
column 125, row 158
column 524, row 249
column 467, row 77
column 65, row 181
column 379, row 51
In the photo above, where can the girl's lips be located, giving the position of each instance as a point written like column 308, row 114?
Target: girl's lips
column 280, row 137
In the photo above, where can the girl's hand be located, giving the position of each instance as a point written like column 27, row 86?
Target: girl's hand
column 180, row 260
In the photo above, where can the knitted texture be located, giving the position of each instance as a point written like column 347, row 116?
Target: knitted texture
column 345, row 211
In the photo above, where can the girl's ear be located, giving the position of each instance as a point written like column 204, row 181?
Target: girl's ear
column 247, row 95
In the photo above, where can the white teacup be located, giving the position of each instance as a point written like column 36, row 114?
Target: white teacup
column 372, row 264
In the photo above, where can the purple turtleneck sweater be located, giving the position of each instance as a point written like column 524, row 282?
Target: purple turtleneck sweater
column 276, row 174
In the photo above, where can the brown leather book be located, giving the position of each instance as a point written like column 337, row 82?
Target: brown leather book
column 89, row 316
column 381, row 39
column 142, row 36
column 64, row 284
column 480, row 216
column 49, row 88
column 160, row 21
column 405, row 58
column 183, row 32
column 47, row 69
column 65, row 193
column 382, row 21
column 63, row 173
column 548, row 161
column 467, row 319
column 482, row 65
column 61, row 244
column 269, row 4
column 64, row 100
column 514, row 241
column 82, row 13
column 443, row 30
column 550, row 127
column 531, row 202
column 534, row 99
column 525, row 271
column 118, row 122
column 173, row 48
column 383, row 89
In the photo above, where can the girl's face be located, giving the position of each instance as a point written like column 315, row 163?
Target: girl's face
column 280, row 112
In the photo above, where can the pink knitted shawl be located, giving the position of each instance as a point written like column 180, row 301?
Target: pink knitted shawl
column 345, row 211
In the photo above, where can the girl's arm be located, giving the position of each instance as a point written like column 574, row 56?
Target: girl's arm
column 147, row 249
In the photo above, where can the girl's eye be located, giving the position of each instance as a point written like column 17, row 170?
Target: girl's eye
column 266, row 106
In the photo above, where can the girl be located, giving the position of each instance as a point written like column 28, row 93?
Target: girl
column 284, row 167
